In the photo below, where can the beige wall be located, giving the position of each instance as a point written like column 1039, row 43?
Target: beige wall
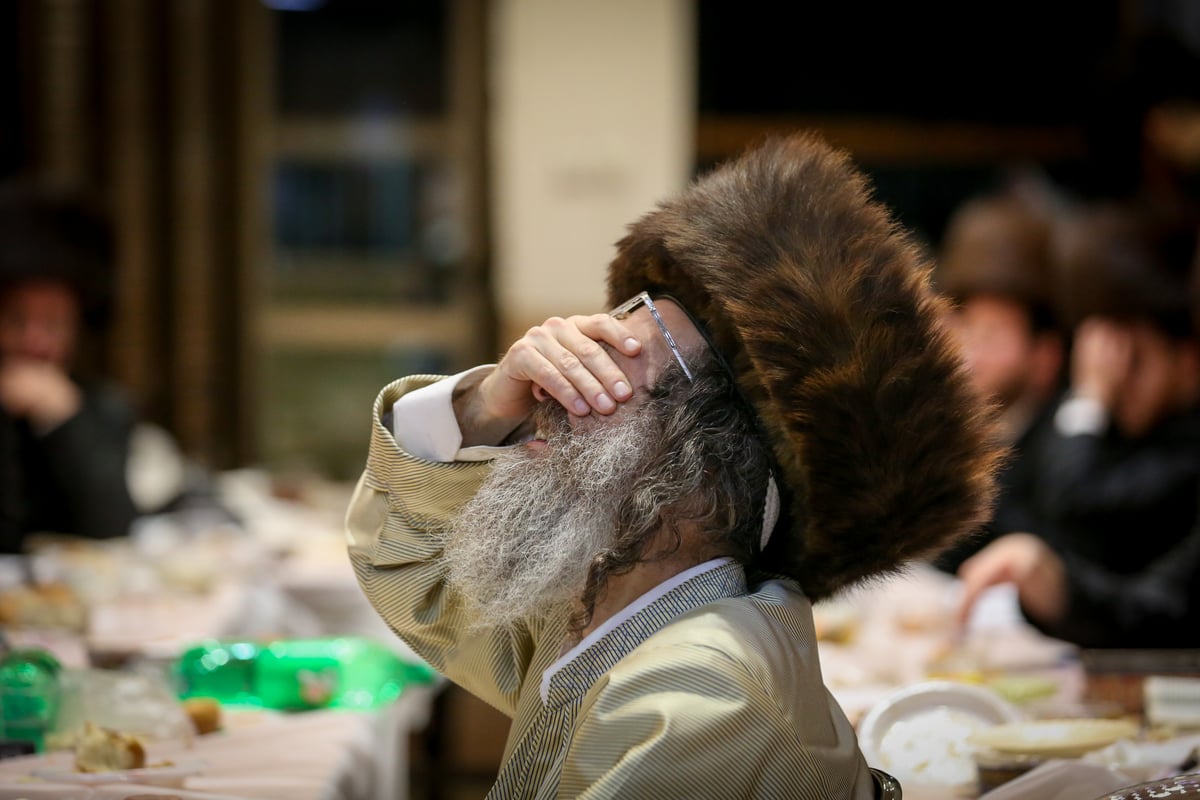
column 592, row 122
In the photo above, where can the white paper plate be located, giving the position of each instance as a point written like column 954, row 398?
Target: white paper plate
column 937, row 758
column 1056, row 738
column 172, row 776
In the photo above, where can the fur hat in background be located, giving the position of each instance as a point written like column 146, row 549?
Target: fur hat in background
column 53, row 235
column 999, row 244
column 1126, row 261
column 822, row 306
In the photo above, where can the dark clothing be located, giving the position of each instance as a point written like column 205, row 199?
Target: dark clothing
column 1122, row 503
column 71, row 480
column 1016, row 507
column 1157, row 608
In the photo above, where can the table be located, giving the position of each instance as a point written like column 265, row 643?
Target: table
column 261, row 755
column 283, row 572
column 286, row 573
column 898, row 633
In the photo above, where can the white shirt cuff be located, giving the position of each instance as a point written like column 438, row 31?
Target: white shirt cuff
column 1079, row 416
column 424, row 424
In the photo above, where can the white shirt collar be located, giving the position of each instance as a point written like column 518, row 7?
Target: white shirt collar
column 625, row 613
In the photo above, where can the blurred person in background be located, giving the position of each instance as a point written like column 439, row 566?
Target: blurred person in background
column 1119, row 473
column 64, row 435
column 995, row 265
column 1075, row 595
column 615, row 534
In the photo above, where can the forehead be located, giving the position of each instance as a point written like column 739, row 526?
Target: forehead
column 644, row 369
column 993, row 308
column 46, row 297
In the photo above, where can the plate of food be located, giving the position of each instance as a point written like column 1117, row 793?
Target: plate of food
column 1056, row 738
column 104, row 755
column 921, row 734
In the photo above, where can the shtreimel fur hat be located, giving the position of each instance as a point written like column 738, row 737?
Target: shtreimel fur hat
column 49, row 234
column 998, row 244
column 822, row 306
column 1126, row 260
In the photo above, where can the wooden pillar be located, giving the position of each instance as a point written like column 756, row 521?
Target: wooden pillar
column 138, row 346
column 467, row 52
column 192, row 369
column 251, row 85
column 62, row 57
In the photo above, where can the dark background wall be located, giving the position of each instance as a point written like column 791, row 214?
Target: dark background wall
column 1069, row 79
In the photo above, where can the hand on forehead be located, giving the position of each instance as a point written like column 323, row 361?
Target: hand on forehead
column 567, row 360
column 656, row 355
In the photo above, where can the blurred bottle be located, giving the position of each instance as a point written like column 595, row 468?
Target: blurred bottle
column 297, row 674
column 29, row 697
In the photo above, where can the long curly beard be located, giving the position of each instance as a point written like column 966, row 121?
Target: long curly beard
column 525, row 543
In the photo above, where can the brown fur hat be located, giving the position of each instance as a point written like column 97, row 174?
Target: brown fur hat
column 998, row 244
column 49, row 234
column 822, row 306
column 1125, row 260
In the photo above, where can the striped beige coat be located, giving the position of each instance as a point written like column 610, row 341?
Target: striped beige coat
column 711, row 691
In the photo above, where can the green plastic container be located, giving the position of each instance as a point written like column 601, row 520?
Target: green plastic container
column 29, row 696
column 298, row 674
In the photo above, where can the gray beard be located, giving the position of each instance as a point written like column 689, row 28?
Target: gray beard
column 525, row 543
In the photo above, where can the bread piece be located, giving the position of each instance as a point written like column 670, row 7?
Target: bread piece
column 204, row 712
column 104, row 750
column 45, row 605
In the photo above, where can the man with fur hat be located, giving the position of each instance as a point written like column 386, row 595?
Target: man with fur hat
column 996, row 265
column 615, row 534
column 64, row 438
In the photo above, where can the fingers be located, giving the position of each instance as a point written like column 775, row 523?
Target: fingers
column 38, row 391
column 1102, row 359
column 977, row 574
column 1002, row 561
column 1018, row 558
column 566, row 359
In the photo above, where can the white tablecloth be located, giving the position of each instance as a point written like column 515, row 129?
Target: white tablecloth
column 314, row 755
column 284, row 573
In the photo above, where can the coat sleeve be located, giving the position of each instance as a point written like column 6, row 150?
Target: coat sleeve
column 1078, row 479
column 399, row 509
column 1158, row 607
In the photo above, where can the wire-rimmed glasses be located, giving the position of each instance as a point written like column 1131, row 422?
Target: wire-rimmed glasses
column 625, row 309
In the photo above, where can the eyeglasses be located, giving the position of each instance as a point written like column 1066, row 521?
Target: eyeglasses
column 625, row 309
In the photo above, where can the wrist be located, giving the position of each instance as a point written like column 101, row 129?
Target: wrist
column 1081, row 414
column 1045, row 597
column 478, row 420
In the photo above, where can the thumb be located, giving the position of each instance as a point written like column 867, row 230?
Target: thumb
column 977, row 576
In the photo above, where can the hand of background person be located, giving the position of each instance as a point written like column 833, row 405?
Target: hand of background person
column 1101, row 360
column 1022, row 559
column 561, row 359
column 38, row 391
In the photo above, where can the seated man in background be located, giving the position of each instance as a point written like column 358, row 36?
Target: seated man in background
column 995, row 264
column 614, row 535
column 64, row 437
column 1118, row 475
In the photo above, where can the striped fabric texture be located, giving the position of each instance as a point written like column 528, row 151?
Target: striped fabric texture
column 714, row 690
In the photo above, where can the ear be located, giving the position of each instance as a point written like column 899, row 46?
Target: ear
column 1188, row 363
